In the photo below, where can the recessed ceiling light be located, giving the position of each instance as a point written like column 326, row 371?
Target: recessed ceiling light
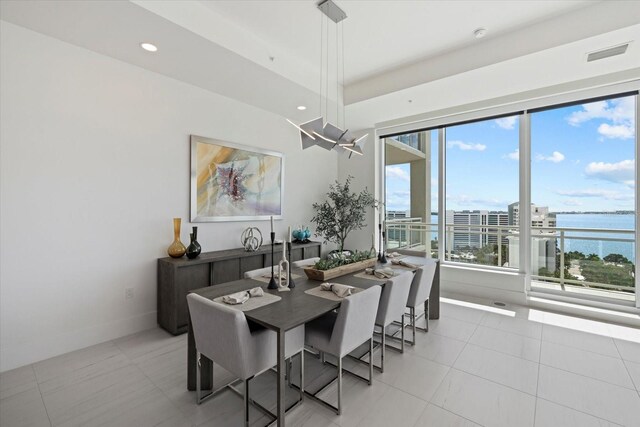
column 301, row 107
column 480, row 33
column 149, row 47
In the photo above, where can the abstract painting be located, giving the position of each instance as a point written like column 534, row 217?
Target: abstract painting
column 232, row 182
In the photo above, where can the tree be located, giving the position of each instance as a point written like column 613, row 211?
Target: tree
column 617, row 259
column 593, row 257
column 342, row 213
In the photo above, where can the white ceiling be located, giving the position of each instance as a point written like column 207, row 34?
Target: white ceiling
column 424, row 51
column 382, row 35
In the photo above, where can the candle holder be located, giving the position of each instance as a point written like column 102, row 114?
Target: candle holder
column 291, row 282
column 272, row 282
column 381, row 256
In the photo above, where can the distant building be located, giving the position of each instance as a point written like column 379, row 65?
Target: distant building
column 391, row 215
column 543, row 242
column 540, row 216
column 475, row 237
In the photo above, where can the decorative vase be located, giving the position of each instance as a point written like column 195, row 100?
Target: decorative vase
column 177, row 249
column 194, row 248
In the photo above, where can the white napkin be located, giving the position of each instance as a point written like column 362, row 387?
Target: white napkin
column 338, row 289
column 242, row 297
column 381, row 273
column 404, row 263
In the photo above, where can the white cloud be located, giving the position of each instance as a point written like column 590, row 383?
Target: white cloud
column 466, row 147
column 555, row 157
column 465, row 200
column 572, row 202
column 620, row 112
column 397, row 172
column 507, row 122
column 621, row 172
column 616, row 131
column 398, row 200
column 513, row 156
column 596, row 192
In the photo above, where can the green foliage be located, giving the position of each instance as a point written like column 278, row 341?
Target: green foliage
column 599, row 272
column 617, row 259
column 574, row 255
column 342, row 213
column 340, row 260
column 593, row 257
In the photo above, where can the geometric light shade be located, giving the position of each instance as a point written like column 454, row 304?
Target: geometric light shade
column 328, row 136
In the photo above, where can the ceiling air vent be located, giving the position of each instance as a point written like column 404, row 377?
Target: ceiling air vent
column 606, row 53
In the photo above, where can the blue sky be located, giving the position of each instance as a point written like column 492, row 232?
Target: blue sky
column 582, row 159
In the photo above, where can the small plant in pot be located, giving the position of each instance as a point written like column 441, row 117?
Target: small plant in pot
column 343, row 212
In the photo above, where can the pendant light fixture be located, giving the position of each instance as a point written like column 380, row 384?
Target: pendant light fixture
column 320, row 131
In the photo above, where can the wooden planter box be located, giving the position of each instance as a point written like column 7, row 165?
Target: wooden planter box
column 324, row 275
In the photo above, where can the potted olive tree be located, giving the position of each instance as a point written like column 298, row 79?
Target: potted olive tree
column 341, row 213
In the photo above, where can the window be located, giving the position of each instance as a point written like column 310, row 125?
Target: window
column 482, row 186
column 411, row 192
column 583, row 198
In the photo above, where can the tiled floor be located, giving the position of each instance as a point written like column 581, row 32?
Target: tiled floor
column 479, row 365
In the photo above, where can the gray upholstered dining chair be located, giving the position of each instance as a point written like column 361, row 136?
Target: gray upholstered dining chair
column 419, row 294
column 393, row 301
column 222, row 334
column 260, row 272
column 305, row 262
column 340, row 333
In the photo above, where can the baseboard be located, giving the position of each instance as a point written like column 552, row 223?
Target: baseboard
column 17, row 354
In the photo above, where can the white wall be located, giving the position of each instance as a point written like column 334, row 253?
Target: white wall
column 94, row 163
column 363, row 171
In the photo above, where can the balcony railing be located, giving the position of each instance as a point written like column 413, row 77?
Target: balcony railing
column 559, row 257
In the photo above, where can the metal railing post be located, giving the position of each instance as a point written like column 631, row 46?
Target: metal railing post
column 499, row 247
column 562, row 260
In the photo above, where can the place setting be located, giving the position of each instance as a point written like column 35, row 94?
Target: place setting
column 248, row 300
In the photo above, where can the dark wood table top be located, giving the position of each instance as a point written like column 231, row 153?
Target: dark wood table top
column 296, row 307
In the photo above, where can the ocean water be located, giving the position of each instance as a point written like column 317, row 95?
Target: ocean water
column 595, row 221
column 599, row 221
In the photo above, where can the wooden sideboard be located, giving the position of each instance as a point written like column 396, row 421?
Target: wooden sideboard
column 177, row 277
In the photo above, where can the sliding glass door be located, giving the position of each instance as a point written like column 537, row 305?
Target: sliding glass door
column 583, row 199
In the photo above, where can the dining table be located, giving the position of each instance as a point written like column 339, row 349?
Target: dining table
column 295, row 308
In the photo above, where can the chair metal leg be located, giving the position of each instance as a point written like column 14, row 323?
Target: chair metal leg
column 339, row 385
column 384, row 345
column 402, row 336
column 198, row 397
column 426, row 313
column 371, row 357
column 301, row 374
column 246, row 403
column 413, row 323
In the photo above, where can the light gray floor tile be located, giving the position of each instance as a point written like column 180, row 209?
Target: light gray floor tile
column 448, row 327
column 484, row 402
column 515, row 325
column 629, row 350
column 17, row 381
column 467, row 314
column 600, row 399
column 69, row 363
column 145, row 342
column 81, row 401
column 498, row 367
column 438, row 348
column 418, row 376
column 395, row 407
column 583, row 340
column 506, row 342
column 587, row 363
column 438, row 417
column 23, row 409
column 550, row 414
column 634, row 371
